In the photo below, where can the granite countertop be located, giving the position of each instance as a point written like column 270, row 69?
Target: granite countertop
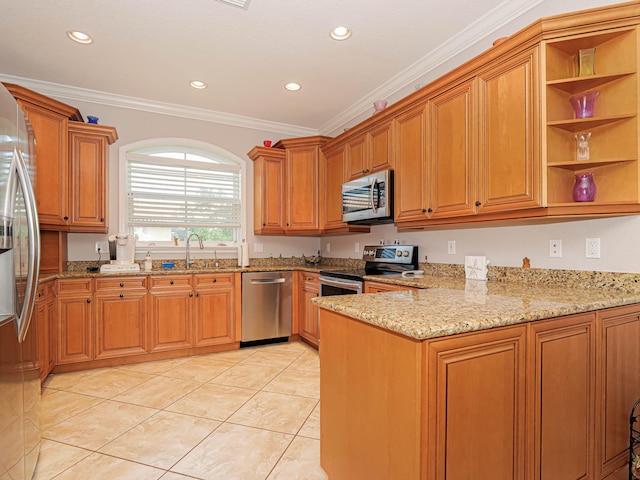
column 446, row 306
column 176, row 271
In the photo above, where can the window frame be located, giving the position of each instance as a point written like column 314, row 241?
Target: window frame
column 190, row 146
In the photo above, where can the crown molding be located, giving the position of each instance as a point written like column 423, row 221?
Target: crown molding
column 72, row 94
column 482, row 28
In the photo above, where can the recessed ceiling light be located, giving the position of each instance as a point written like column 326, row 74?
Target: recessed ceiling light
column 340, row 33
column 198, row 84
column 79, row 37
column 292, row 86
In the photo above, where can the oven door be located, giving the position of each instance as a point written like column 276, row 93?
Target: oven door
column 338, row 286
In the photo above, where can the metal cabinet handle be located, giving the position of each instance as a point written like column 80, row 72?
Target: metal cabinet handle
column 170, row 282
column 215, row 280
column 122, row 295
column 478, row 203
column 430, row 210
column 122, row 284
column 191, row 294
column 88, row 300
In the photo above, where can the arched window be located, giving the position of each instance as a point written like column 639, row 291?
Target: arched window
column 171, row 188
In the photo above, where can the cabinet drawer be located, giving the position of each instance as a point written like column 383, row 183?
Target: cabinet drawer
column 75, row 285
column 121, row 283
column 310, row 279
column 212, row 280
column 170, row 282
column 45, row 289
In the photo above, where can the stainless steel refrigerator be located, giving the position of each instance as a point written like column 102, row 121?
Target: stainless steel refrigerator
column 19, row 267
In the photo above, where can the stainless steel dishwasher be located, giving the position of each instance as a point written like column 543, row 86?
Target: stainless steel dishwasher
column 266, row 307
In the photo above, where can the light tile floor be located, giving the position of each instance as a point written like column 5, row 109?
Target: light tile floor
column 248, row 414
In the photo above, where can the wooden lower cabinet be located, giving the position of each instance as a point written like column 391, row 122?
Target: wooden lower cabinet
column 214, row 309
column 169, row 320
column 562, row 397
column 120, row 324
column 617, row 384
column 543, row 400
column 476, row 405
column 308, row 314
column 74, row 323
column 45, row 317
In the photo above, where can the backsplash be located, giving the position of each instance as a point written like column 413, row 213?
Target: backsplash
column 629, row 282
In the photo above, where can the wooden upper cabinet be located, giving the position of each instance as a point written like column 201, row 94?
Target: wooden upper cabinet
column 286, row 186
column 268, row 190
column 370, row 151
column 302, row 181
column 49, row 119
column 332, row 177
column 410, row 165
column 88, row 148
column 452, row 151
column 509, row 141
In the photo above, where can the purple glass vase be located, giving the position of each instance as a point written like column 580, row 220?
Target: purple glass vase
column 584, row 190
column 584, row 103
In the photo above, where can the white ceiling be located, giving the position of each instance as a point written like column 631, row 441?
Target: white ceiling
column 147, row 51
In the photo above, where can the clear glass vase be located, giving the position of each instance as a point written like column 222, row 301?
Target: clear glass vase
column 582, row 146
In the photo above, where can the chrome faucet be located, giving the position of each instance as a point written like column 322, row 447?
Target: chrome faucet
column 188, row 261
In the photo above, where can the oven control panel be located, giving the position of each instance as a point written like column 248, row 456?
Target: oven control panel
column 390, row 253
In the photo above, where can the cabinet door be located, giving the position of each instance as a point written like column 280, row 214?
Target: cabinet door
column 214, row 316
column 619, row 371
column 452, row 153
column 44, row 319
column 509, row 143
column 170, row 320
column 52, row 194
column 88, row 180
column 380, row 147
column 356, row 157
column 333, row 176
column 308, row 313
column 562, row 396
column 410, row 172
column 121, row 324
column 74, row 329
column 269, row 193
column 476, row 385
column 302, row 189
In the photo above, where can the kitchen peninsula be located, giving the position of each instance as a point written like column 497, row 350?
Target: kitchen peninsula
column 472, row 379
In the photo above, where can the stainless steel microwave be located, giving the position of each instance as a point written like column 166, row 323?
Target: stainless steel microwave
column 368, row 200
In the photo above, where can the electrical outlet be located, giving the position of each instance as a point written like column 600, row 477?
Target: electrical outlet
column 555, row 248
column 258, row 247
column 102, row 248
column 451, row 246
column 356, row 247
column 592, row 248
column 328, row 247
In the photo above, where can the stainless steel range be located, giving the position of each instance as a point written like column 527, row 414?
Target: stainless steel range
column 380, row 260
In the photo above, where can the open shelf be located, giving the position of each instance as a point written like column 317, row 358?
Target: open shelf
column 614, row 127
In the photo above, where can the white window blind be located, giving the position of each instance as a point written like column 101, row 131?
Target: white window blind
column 165, row 192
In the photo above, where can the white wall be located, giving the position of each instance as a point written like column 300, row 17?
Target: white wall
column 505, row 246
column 134, row 126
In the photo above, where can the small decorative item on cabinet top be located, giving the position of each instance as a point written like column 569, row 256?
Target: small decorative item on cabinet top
column 92, row 119
column 584, row 190
column 584, row 103
column 267, row 143
column 379, row 105
column 586, row 57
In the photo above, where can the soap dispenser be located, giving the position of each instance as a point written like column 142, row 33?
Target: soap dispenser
column 148, row 264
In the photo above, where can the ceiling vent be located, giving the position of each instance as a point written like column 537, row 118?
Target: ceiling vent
column 237, row 3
